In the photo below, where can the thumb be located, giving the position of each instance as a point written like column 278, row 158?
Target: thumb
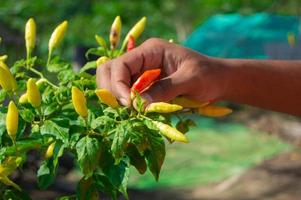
column 167, row 88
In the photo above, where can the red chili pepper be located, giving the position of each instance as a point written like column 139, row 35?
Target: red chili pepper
column 131, row 43
column 146, row 79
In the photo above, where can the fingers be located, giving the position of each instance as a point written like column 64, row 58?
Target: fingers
column 103, row 76
column 168, row 88
column 116, row 75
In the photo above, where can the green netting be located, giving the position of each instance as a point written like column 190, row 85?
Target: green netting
column 239, row 36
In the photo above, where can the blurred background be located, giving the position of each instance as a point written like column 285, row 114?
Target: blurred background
column 251, row 154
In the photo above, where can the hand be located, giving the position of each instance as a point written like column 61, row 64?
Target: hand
column 184, row 72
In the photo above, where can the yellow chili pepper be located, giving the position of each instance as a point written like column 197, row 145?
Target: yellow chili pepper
column 136, row 31
column 101, row 41
column 23, row 99
column 102, row 60
column 3, row 58
column 115, row 32
column 214, row 111
column 162, row 107
column 106, row 97
column 188, row 103
column 30, row 36
column 49, row 151
column 33, row 93
column 170, row 132
column 57, row 36
column 79, row 102
column 12, row 119
column 5, row 81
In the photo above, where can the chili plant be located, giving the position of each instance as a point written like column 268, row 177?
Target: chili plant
column 68, row 114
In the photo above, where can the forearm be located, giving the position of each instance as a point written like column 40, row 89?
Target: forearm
column 274, row 85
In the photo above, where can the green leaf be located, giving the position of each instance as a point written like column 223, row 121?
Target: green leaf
column 57, row 128
column 22, row 146
column 66, row 75
column 86, row 190
column 74, row 139
column 2, row 125
column 27, row 115
column 88, row 151
column 99, row 51
column 87, row 66
column 137, row 136
column 49, row 108
column 136, row 159
column 119, row 141
column 47, row 171
column 10, row 194
column 118, row 175
column 57, row 67
column 156, row 152
column 103, row 184
column 103, row 123
column 2, row 95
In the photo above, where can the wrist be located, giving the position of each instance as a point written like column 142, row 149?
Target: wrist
column 221, row 78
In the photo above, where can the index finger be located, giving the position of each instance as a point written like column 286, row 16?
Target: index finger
column 131, row 64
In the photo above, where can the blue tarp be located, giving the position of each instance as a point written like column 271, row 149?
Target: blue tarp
column 239, row 36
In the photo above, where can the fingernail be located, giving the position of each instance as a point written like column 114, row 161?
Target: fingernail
column 146, row 97
column 124, row 102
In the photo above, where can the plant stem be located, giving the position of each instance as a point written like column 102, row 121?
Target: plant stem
column 49, row 57
column 15, row 145
column 28, row 56
column 42, row 76
column 86, row 123
column 40, row 114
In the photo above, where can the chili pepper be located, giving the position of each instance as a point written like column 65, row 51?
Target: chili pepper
column 40, row 82
column 145, row 80
column 4, row 79
column 49, row 151
column 115, row 32
column 11, row 78
column 12, row 119
column 10, row 82
column 188, row 103
column 136, row 31
column 214, row 111
column 79, row 102
column 30, row 36
column 57, row 35
column 101, row 41
column 131, row 43
column 23, row 99
column 33, row 93
column 3, row 58
column 102, row 60
column 170, row 132
column 106, row 97
column 162, row 107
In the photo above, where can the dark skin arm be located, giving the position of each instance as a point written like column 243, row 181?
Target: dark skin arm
column 274, row 85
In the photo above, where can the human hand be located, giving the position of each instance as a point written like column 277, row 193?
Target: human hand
column 184, row 72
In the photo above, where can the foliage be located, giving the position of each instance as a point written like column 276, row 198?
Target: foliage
column 55, row 120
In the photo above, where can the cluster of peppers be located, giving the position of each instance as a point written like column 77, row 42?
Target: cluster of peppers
column 32, row 96
column 115, row 33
